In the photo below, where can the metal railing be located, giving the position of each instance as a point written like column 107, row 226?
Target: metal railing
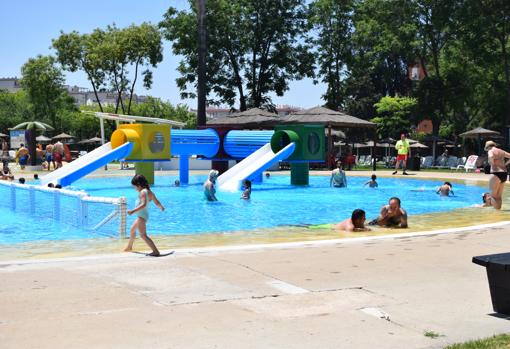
column 69, row 207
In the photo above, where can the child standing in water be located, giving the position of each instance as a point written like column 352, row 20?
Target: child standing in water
column 372, row 183
column 142, row 211
column 246, row 190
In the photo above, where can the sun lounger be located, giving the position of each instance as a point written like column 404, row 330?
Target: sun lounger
column 469, row 165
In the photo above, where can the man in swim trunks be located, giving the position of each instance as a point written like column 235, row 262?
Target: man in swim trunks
column 355, row 223
column 403, row 153
column 23, row 156
column 497, row 160
column 338, row 178
column 391, row 215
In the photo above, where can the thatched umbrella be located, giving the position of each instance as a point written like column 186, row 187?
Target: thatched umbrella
column 63, row 136
column 479, row 133
column 329, row 118
column 418, row 145
column 91, row 140
column 30, row 128
column 42, row 139
column 251, row 118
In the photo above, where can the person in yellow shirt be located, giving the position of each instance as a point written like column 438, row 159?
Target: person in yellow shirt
column 403, row 153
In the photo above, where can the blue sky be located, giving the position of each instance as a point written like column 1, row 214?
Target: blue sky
column 27, row 28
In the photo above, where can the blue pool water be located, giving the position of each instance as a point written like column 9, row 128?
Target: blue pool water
column 273, row 203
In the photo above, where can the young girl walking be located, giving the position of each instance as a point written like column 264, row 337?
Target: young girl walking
column 142, row 211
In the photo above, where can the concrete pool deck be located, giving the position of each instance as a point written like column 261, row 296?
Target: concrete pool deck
column 365, row 293
column 383, row 293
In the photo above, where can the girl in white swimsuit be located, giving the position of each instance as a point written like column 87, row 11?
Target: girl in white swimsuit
column 142, row 211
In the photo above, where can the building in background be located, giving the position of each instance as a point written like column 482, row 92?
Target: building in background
column 219, row 112
column 81, row 95
column 10, row 84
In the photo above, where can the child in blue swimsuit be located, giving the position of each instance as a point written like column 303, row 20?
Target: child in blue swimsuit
column 142, row 211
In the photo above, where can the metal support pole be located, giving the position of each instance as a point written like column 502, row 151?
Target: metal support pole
column 13, row 197
column 31, row 199
column 56, row 205
column 122, row 216
column 101, row 121
column 183, row 169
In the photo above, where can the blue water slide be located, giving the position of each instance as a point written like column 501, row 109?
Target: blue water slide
column 87, row 164
column 192, row 142
column 241, row 144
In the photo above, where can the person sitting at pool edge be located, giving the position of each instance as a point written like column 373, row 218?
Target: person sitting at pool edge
column 209, row 190
column 355, row 223
column 338, row 178
column 246, row 190
column 372, row 182
column 391, row 215
column 445, row 189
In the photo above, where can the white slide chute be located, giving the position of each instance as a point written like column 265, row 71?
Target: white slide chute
column 87, row 163
column 252, row 166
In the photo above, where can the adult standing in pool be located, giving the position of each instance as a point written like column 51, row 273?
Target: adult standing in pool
column 338, row 178
column 403, row 153
column 499, row 173
column 209, row 190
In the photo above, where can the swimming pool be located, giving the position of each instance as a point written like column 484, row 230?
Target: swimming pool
column 274, row 203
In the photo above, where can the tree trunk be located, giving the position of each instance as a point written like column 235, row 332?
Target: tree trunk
column 31, row 145
column 133, row 87
column 95, row 89
column 502, row 40
column 202, row 53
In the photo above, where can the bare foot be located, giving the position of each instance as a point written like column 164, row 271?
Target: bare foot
column 154, row 254
column 128, row 249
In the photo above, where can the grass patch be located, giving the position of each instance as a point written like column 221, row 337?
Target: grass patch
column 431, row 334
column 501, row 341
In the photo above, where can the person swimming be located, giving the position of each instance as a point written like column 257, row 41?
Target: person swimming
column 246, row 190
column 355, row 223
column 445, row 189
column 391, row 215
column 209, row 189
column 372, row 183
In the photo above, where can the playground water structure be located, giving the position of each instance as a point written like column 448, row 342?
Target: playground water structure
column 95, row 213
column 296, row 214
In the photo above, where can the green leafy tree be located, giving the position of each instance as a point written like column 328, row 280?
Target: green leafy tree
column 331, row 37
column 43, row 81
column 486, row 35
column 14, row 109
column 113, row 58
column 394, row 115
column 254, row 48
column 77, row 52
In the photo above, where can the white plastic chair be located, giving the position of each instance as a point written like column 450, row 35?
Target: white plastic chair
column 428, row 161
column 469, row 165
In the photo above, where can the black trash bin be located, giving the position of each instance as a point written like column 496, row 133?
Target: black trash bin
column 498, row 273
column 413, row 163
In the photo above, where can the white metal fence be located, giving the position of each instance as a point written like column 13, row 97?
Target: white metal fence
column 68, row 207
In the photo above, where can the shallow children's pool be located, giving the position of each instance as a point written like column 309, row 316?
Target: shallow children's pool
column 274, row 203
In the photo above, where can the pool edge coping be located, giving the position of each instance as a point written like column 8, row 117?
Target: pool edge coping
column 254, row 247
